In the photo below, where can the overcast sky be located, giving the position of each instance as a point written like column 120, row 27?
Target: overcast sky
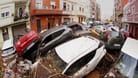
column 106, row 8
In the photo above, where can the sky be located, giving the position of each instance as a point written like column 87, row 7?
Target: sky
column 106, row 8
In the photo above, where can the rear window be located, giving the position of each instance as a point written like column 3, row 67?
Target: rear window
column 114, row 34
column 76, row 28
column 52, row 36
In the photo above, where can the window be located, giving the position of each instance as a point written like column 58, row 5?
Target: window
column 68, row 7
column 72, row 7
column 55, row 61
column 53, row 5
column 39, row 4
column 64, row 6
column 5, row 34
column 76, row 28
column 52, row 36
column 21, row 12
column 2, row 14
column 80, row 9
column 80, row 63
column 5, row 14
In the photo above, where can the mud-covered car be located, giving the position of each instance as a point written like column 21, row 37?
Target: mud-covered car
column 127, row 63
column 75, row 58
column 25, row 41
column 53, row 37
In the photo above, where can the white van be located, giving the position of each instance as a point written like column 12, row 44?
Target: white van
column 127, row 64
column 8, row 50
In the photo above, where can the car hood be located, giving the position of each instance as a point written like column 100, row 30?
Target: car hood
column 42, row 69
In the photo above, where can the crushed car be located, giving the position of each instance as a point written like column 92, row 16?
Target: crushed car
column 54, row 37
column 75, row 58
column 127, row 64
column 24, row 44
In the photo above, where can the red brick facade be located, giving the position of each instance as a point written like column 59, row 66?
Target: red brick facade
column 44, row 14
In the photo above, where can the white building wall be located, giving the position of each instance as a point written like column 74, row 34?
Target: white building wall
column 85, row 4
column 1, row 39
column 6, row 19
column 10, row 32
column 3, row 2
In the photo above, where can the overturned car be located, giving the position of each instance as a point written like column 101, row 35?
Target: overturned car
column 75, row 58
column 27, row 45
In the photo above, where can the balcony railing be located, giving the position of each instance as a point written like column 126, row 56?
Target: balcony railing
column 16, row 18
column 46, row 11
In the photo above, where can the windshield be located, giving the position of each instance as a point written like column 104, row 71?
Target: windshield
column 55, row 61
column 114, row 34
column 127, row 66
column 8, row 50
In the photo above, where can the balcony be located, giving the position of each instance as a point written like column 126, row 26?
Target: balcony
column 16, row 18
column 46, row 11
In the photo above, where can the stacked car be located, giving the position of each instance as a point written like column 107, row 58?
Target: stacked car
column 70, row 50
column 8, row 51
column 27, row 45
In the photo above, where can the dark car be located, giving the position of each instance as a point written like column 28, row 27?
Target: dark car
column 31, row 51
column 54, row 37
column 113, row 39
column 78, row 29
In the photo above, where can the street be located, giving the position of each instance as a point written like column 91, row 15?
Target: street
column 68, row 39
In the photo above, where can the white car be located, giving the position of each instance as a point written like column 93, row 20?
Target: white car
column 75, row 58
column 8, row 50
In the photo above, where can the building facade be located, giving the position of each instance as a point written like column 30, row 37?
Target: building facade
column 13, row 19
column 98, row 12
column 75, row 10
column 130, row 18
column 118, row 11
column 95, row 10
column 45, row 14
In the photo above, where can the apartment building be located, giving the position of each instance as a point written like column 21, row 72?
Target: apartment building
column 13, row 19
column 75, row 10
column 118, row 9
column 130, row 18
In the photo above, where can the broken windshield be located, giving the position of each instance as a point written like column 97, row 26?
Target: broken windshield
column 127, row 66
column 55, row 61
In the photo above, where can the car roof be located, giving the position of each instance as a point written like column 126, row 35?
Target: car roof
column 130, row 47
column 52, row 30
column 75, row 48
column 7, row 44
